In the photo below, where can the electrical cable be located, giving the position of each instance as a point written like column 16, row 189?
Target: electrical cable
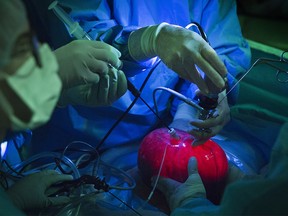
column 136, row 93
column 200, row 30
column 11, row 169
column 129, row 108
column 96, row 165
column 130, row 207
column 177, row 94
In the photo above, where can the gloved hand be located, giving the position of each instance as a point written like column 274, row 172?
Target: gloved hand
column 177, row 193
column 187, row 119
column 181, row 50
column 30, row 192
column 85, row 62
column 109, row 88
column 234, row 174
column 88, row 70
column 212, row 125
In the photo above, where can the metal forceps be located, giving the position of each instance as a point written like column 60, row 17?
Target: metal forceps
column 281, row 74
column 283, row 59
column 268, row 61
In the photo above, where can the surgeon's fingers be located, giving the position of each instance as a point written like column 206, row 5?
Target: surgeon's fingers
column 201, row 135
column 211, row 56
column 208, row 123
column 103, row 45
column 60, row 200
column 51, row 176
column 59, row 178
column 188, row 71
column 192, row 166
column 211, row 73
column 207, row 67
column 108, row 56
column 199, row 141
column 122, row 84
column 103, row 90
column 113, row 81
column 118, row 84
column 195, row 76
column 165, row 185
column 95, row 67
column 204, row 133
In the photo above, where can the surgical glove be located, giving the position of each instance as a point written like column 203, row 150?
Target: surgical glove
column 84, row 62
column 177, row 193
column 30, row 192
column 234, row 174
column 181, row 50
column 187, row 119
column 109, row 88
column 211, row 126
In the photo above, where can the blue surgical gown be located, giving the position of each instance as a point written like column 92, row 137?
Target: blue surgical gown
column 112, row 22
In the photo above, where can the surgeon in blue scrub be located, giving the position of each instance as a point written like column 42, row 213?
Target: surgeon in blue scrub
column 21, row 108
column 145, row 33
column 30, row 86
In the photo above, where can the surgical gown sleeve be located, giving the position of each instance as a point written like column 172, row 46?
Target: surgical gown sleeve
column 113, row 21
column 265, row 196
column 104, row 24
column 6, row 205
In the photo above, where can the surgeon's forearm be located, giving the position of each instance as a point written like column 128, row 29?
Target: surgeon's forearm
column 142, row 42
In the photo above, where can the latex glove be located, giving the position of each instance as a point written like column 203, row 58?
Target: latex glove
column 177, row 193
column 211, row 126
column 30, row 192
column 181, row 50
column 84, row 62
column 187, row 119
column 109, row 88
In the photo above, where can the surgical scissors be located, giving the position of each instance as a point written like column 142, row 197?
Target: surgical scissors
column 283, row 59
column 269, row 61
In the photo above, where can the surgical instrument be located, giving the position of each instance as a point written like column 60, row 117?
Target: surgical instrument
column 73, row 27
column 267, row 61
column 67, row 186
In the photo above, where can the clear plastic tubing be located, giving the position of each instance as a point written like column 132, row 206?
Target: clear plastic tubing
column 73, row 27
